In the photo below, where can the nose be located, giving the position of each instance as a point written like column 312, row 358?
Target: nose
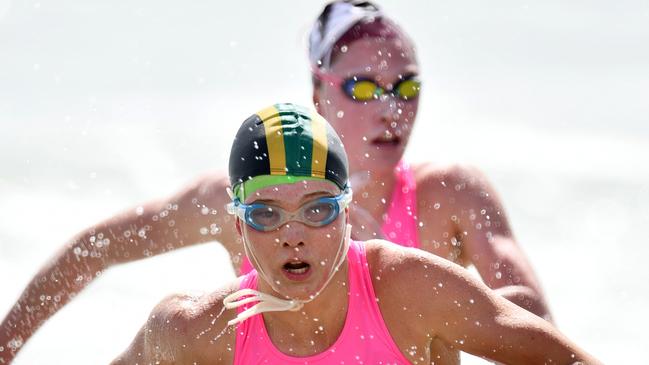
column 389, row 110
column 292, row 235
column 292, row 244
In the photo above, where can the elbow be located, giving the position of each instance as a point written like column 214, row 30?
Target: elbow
column 526, row 298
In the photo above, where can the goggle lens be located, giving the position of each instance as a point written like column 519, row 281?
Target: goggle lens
column 408, row 89
column 264, row 216
column 320, row 212
column 364, row 90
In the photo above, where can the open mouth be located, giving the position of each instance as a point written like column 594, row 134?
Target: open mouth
column 387, row 139
column 296, row 270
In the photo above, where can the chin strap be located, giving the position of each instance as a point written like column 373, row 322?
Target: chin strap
column 270, row 303
column 266, row 303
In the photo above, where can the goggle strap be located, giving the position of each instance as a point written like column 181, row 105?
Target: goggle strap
column 340, row 259
column 270, row 303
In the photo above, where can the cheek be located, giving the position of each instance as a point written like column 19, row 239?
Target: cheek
column 409, row 112
column 261, row 242
column 351, row 124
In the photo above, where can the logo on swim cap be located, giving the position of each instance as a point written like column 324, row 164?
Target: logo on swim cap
column 287, row 140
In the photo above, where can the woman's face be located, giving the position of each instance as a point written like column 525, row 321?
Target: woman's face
column 296, row 258
column 375, row 132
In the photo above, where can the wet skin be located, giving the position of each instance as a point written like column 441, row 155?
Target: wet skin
column 432, row 308
column 460, row 216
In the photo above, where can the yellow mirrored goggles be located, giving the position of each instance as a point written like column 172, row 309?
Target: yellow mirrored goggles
column 365, row 89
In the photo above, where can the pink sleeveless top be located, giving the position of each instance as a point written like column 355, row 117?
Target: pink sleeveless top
column 364, row 338
column 400, row 221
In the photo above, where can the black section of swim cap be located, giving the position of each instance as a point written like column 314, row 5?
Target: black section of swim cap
column 337, row 168
column 249, row 153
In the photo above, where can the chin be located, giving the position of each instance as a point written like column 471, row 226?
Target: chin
column 377, row 163
column 300, row 290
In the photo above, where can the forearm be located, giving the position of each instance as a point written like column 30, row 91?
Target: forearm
column 66, row 274
column 526, row 298
column 518, row 337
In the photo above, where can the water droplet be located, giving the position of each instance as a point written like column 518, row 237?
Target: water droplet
column 340, row 114
column 436, row 206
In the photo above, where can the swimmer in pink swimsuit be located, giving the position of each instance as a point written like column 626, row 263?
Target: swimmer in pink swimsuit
column 322, row 298
column 364, row 339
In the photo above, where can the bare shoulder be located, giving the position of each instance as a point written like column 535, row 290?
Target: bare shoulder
column 208, row 186
column 186, row 328
column 429, row 284
column 453, row 177
column 455, row 190
column 407, row 264
column 418, row 292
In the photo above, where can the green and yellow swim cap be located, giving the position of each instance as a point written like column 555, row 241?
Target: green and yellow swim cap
column 282, row 144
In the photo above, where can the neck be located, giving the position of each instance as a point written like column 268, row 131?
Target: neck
column 318, row 322
column 372, row 194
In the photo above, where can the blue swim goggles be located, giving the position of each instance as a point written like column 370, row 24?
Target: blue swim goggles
column 316, row 213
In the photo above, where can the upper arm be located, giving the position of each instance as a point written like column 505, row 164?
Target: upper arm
column 462, row 311
column 154, row 342
column 483, row 323
column 195, row 214
column 134, row 354
column 169, row 335
column 484, row 231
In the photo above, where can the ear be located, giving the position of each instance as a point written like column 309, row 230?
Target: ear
column 316, row 99
column 237, row 224
column 346, row 215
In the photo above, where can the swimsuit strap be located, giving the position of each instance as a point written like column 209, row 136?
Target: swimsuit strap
column 400, row 224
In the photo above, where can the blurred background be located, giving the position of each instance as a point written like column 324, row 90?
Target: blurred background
column 104, row 105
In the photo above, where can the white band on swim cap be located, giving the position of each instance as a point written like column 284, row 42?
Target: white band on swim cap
column 342, row 16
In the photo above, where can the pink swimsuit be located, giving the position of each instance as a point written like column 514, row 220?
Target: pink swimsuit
column 400, row 222
column 364, row 338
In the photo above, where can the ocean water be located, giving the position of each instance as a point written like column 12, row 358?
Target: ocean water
column 104, row 106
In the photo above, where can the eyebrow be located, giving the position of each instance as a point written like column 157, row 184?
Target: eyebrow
column 304, row 198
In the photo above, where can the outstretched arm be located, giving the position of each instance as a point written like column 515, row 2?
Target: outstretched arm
column 194, row 215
